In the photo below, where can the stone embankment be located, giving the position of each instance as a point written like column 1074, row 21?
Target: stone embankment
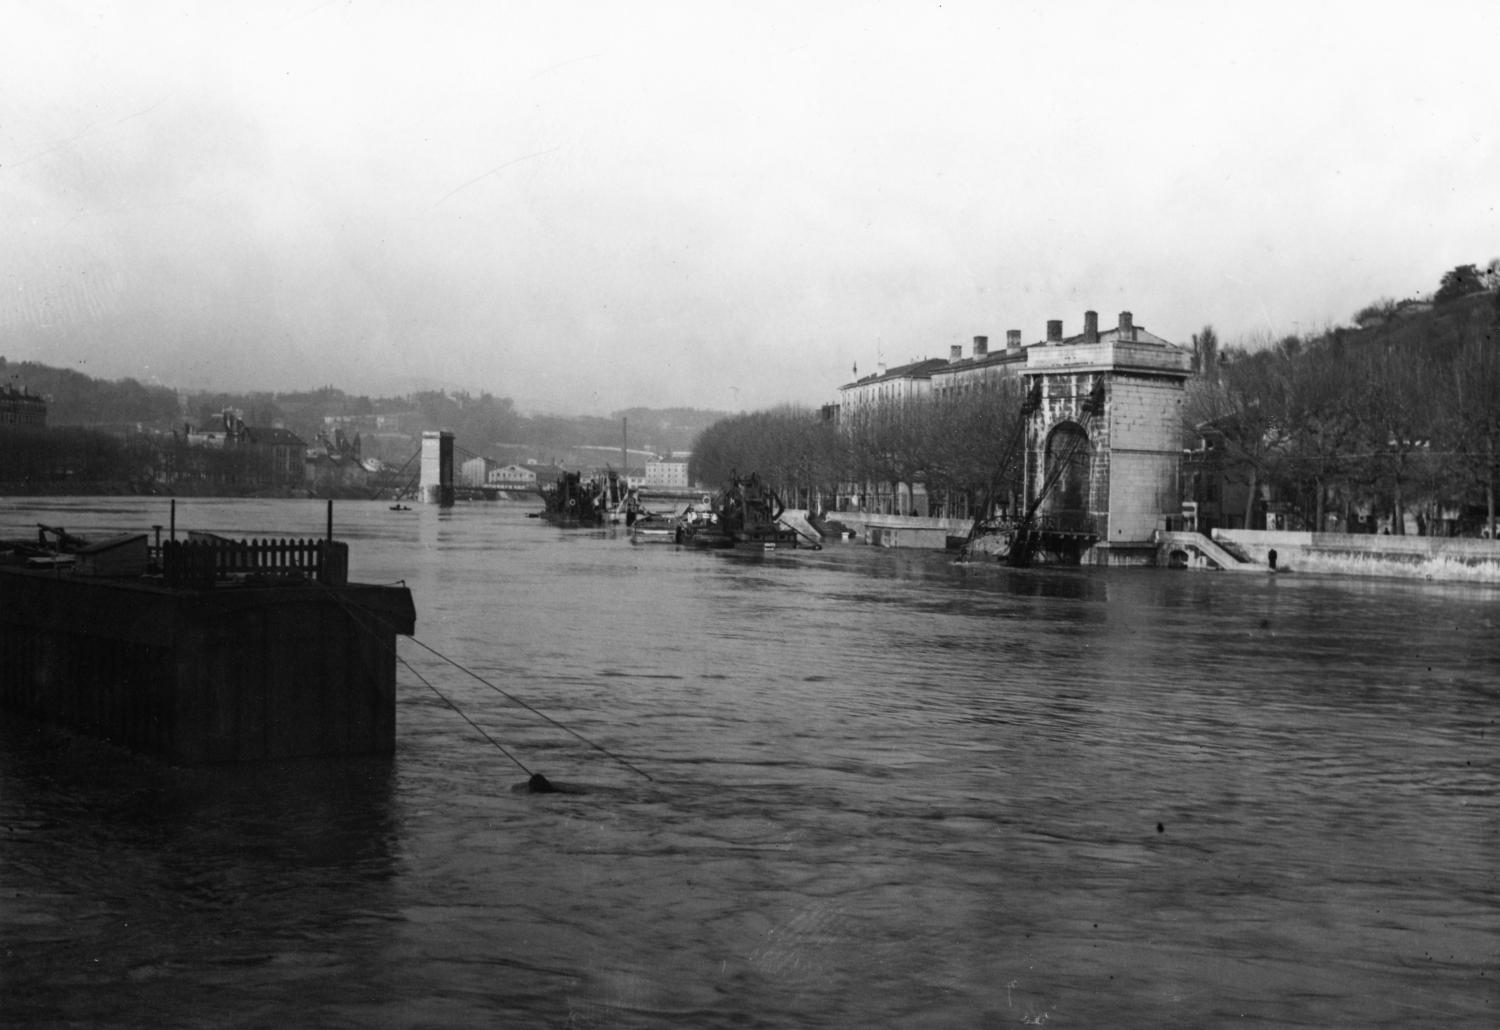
column 1456, row 559
column 1459, row 559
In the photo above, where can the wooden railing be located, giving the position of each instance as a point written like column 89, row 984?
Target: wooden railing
column 201, row 562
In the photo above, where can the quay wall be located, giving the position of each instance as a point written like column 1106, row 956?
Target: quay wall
column 902, row 530
column 205, row 675
column 1361, row 554
column 1354, row 554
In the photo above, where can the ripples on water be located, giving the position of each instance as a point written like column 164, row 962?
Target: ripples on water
column 885, row 790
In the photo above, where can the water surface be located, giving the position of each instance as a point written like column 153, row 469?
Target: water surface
column 845, row 788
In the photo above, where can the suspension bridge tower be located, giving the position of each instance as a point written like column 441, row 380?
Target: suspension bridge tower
column 1104, row 438
column 437, row 468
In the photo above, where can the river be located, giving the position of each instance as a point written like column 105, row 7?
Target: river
column 852, row 787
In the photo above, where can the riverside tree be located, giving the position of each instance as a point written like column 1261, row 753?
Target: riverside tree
column 953, row 446
column 1470, row 424
column 794, row 450
column 1399, row 418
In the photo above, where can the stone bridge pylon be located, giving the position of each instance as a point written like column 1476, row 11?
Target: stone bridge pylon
column 1104, row 435
column 436, row 484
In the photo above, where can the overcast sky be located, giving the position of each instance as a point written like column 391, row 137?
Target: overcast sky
column 589, row 206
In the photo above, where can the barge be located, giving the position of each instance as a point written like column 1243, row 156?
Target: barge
column 206, row 650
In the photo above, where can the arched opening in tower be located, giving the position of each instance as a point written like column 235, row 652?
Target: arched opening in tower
column 1069, row 463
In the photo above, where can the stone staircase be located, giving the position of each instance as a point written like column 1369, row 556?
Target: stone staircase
column 1196, row 551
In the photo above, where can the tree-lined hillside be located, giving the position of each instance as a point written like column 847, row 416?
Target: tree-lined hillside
column 75, row 399
column 391, row 426
column 1396, row 421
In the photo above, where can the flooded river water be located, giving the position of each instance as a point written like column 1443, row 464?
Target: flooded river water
column 865, row 788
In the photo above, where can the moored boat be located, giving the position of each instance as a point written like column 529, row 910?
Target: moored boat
column 654, row 528
column 698, row 526
column 744, row 515
column 573, row 503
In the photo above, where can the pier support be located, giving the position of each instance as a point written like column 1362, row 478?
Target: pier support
column 437, row 468
column 1107, row 432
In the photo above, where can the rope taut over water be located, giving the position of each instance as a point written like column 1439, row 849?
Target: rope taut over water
column 536, row 783
column 464, row 716
column 532, row 709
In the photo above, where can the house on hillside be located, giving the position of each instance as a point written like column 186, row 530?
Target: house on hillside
column 240, row 457
column 335, row 465
column 279, row 456
column 21, row 407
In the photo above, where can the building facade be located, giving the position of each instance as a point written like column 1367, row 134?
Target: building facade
column 982, row 370
column 232, row 454
column 899, row 385
column 522, row 477
column 667, row 474
column 475, row 472
column 21, row 407
column 280, row 455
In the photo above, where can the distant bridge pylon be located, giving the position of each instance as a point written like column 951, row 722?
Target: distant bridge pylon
column 437, row 468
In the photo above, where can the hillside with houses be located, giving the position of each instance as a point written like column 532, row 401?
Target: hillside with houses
column 71, row 433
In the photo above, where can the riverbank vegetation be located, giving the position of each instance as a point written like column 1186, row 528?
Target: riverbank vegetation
column 1395, row 423
column 954, row 447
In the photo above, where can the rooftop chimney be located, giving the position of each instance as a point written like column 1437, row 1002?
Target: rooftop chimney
column 981, row 346
column 1012, row 340
column 1091, row 327
column 956, row 352
column 1054, row 330
column 1127, row 326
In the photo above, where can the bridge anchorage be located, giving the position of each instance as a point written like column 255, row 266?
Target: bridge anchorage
column 1096, row 447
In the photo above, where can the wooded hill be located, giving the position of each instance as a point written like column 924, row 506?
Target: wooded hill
column 390, row 427
column 1400, row 416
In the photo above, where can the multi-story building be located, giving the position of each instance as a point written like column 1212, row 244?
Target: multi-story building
column 522, row 477
column 667, row 474
column 254, row 457
column 982, row 370
column 280, row 455
column 475, row 472
column 21, row 407
column 909, row 382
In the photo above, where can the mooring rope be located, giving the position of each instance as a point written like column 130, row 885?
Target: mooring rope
column 464, row 716
column 532, row 709
column 355, row 612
